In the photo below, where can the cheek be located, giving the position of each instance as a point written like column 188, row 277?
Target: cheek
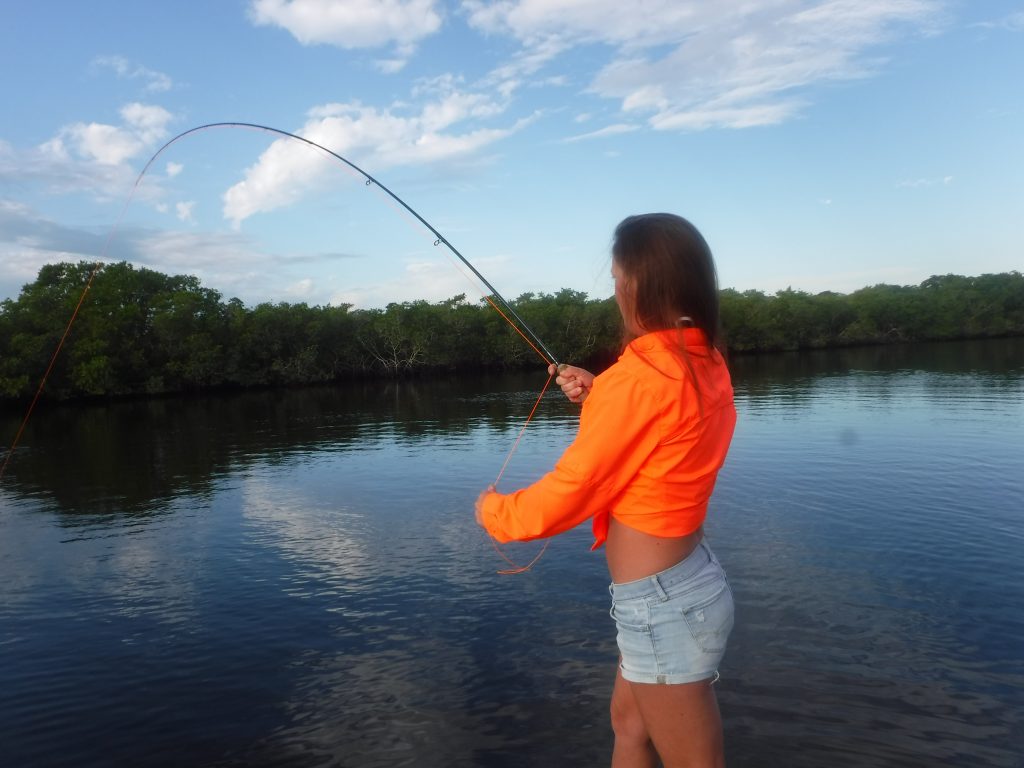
column 625, row 308
column 623, row 294
column 620, row 299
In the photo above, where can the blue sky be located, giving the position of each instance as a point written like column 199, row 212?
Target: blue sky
column 818, row 145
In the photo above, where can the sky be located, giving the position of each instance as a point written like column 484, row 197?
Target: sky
column 818, row 145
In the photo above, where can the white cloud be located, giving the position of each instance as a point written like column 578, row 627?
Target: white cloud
column 555, row 81
column 739, row 117
column 390, row 66
column 156, row 82
column 91, row 157
column 300, row 289
column 184, row 211
column 148, row 122
column 174, row 251
column 110, row 144
column 103, row 144
column 54, row 149
column 648, row 97
column 427, row 280
column 351, row 24
column 690, row 65
column 1014, row 22
column 374, row 139
column 228, row 262
column 20, row 264
column 610, row 130
column 173, row 169
column 610, row 21
column 928, row 182
column 62, row 170
column 526, row 63
column 28, row 241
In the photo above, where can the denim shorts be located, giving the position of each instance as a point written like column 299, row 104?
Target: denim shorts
column 673, row 626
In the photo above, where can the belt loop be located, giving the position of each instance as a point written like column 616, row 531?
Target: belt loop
column 662, row 594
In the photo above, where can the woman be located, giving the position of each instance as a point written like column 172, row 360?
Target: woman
column 654, row 431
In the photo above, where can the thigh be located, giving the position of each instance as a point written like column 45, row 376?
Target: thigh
column 682, row 721
column 633, row 747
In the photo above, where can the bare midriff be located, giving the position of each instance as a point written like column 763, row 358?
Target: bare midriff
column 633, row 554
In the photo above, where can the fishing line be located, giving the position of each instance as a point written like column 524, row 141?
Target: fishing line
column 493, row 299
column 67, row 330
column 521, row 568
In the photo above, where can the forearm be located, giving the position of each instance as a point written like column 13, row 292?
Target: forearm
column 552, row 505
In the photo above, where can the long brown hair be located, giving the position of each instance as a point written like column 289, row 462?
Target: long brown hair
column 670, row 272
column 671, row 280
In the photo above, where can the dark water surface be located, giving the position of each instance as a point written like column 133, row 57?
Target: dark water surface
column 294, row 579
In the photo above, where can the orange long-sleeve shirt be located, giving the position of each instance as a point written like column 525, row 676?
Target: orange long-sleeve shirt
column 647, row 452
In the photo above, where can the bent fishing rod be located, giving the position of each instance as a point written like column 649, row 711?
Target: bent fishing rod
column 540, row 347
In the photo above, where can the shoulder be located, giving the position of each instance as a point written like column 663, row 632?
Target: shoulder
column 653, row 361
column 626, row 373
column 629, row 384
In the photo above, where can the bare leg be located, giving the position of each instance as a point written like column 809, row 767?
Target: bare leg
column 633, row 747
column 683, row 722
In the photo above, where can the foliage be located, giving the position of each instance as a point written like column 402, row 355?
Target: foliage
column 142, row 332
column 942, row 307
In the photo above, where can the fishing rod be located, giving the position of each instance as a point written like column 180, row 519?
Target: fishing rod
column 522, row 328
column 540, row 347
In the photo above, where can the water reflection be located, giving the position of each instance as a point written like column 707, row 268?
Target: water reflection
column 292, row 578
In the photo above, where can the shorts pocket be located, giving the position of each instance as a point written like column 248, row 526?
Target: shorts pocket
column 633, row 615
column 710, row 621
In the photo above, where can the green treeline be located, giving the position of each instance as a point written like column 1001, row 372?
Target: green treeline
column 142, row 332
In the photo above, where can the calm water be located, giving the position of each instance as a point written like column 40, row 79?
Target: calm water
column 294, row 579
